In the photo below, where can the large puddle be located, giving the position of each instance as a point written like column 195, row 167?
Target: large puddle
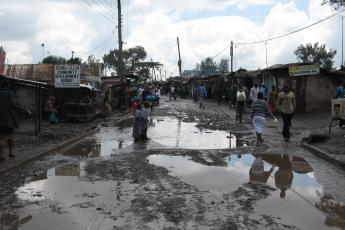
column 294, row 200
column 165, row 132
column 63, row 197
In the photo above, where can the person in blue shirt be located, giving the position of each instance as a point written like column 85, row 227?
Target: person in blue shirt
column 202, row 95
column 263, row 89
column 340, row 93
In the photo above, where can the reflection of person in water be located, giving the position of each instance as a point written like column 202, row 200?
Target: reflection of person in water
column 284, row 175
column 257, row 171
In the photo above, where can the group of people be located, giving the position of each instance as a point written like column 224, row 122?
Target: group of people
column 266, row 105
column 285, row 103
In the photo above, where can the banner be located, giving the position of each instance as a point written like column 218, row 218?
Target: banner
column 338, row 108
column 67, row 76
column 302, row 70
column 2, row 61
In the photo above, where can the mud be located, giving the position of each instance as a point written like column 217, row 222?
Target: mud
column 110, row 182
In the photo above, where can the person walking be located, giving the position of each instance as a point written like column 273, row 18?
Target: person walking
column 272, row 100
column 254, row 93
column 263, row 89
column 286, row 104
column 340, row 93
column 202, row 95
column 144, row 121
column 260, row 112
column 240, row 103
column 172, row 93
column 137, row 123
column 8, row 118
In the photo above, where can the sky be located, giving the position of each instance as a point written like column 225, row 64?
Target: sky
column 204, row 28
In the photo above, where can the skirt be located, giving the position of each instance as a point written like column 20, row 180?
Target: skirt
column 259, row 123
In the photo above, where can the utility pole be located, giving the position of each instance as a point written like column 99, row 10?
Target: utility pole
column 119, row 30
column 266, row 54
column 232, row 56
column 72, row 54
column 42, row 52
column 342, row 41
column 179, row 59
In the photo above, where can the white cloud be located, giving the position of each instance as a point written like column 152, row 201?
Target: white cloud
column 72, row 25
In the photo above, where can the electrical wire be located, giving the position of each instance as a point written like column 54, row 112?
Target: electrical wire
column 280, row 36
column 293, row 32
column 100, row 46
column 105, row 16
column 105, row 6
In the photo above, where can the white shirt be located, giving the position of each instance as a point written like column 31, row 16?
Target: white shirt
column 254, row 93
column 172, row 89
column 241, row 96
column 158, row 93
column 140, row 91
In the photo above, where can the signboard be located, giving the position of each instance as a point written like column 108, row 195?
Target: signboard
column 302, row 70
column 2, row 61
column 338, row 108
column 67, row 76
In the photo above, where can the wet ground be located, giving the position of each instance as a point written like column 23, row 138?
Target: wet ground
column 198, row 171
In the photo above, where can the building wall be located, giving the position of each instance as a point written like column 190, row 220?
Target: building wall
column 319, row 91
column 26, row 96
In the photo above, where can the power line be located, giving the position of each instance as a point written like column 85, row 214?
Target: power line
column 293, row 32
column 104, row 6
column 100, row 46
column 280, row 36
column 221, row 52
column 105, row 16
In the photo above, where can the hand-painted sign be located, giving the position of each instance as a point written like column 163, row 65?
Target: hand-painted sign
column 67, row 76
column 302, row 70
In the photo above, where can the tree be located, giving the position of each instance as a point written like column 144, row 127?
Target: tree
column 315, row 54
column 133, row 59
column 336, row 4
column 207, row 67
column 74, row 61
column 54, row 60
column 223, row 66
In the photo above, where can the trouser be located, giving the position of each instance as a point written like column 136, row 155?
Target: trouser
column 201, row 102
column 172, row 95
column 287, row 123
column 239, row 111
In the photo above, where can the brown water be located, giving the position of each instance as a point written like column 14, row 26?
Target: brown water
column 65, row 199
column 296, row 208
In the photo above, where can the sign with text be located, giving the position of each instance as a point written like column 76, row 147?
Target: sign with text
column 302, row 70
column 338, row 108
column 67, row 76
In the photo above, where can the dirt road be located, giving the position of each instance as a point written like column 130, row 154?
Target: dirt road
column 200, row 170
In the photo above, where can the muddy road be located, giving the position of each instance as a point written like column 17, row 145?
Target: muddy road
column 200, row 170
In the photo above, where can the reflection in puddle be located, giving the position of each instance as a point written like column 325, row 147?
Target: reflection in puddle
column 174, row 133
column 67, row 201
column 165, row 132
column 297, row 192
